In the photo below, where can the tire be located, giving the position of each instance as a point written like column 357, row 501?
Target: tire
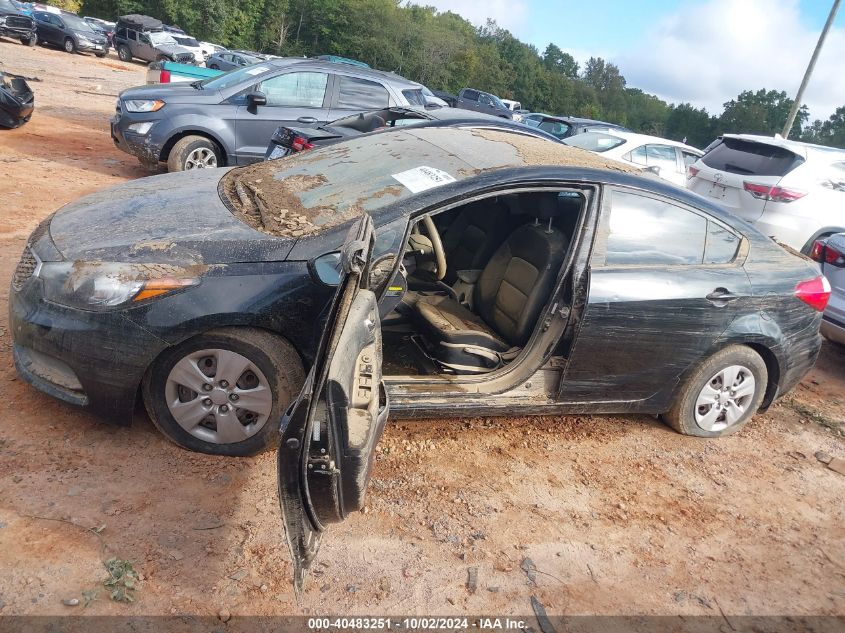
column 689, row 417
column 30, row 41
column 194, row 152
column 214, row 67
column 268, row 361
column 70, row 45
column 124, row 54
column 101, row 55
column 163, row 58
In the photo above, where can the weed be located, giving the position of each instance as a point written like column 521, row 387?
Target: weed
column 121, row 580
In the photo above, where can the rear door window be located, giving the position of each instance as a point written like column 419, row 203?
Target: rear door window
column 739, row 156
column 721, row 244
column 298, row 90
column 361, row 94
column 649, row 232
column 414, row 97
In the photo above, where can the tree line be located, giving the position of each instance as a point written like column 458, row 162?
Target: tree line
column 446, row 52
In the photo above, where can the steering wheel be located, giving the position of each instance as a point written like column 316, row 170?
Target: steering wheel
column 436, row 245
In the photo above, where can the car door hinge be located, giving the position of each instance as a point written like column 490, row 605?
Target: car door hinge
column 563, row 312
column 322, row 465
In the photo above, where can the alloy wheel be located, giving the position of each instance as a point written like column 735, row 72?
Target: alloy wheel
column 201, row 158
column 725, row 398
column 218, row 396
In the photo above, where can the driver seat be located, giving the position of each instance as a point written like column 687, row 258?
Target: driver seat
column 511, row 292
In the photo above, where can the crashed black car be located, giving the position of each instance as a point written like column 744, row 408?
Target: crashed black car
column 17, row 101
column 502, row 275
column 16, row 24
column 290, row 140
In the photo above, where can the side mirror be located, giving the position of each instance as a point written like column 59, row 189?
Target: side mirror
column 255, row 99
column 654, row 169
column 328, row 269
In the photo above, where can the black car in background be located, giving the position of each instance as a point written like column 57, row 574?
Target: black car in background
column 565, row 126
column 289, row 140
column 69, row 32
column 16, row 24
column 504, row 275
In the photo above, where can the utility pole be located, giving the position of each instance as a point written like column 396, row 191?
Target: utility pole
column 797, row 104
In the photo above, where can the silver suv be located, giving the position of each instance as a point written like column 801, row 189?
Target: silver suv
column 789, row 190
column 229, row 119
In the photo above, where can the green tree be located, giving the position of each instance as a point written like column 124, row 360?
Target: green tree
column 761, row 112
column 830, row 132
column 555, row 60
column 683, row 121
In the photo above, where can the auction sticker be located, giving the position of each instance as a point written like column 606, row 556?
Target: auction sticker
column 422, row 178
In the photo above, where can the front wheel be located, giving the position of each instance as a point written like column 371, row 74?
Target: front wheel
column 721, row 395
column 70, row 46
column 223, row 392
column 32, row 40
column 194, row 152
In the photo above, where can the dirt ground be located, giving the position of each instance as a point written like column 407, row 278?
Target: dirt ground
column 616, row 515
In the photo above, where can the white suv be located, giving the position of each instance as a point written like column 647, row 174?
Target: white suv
column 792, row 191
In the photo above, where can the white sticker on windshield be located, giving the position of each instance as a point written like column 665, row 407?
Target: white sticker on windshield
column 422, row 178
column 256, row 70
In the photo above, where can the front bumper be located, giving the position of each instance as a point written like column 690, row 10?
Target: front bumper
column 16, row 32
column 139, row 145
column 92, row 47
column 91, row 359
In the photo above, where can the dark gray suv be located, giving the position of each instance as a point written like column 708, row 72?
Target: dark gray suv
column 229, row 120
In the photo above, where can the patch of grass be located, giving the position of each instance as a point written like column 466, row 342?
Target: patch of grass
column 121, row 580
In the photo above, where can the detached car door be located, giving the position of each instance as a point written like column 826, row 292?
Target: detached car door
column 293, row 98
column 329, row 434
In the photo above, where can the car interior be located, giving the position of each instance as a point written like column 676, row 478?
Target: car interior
column 474, row 281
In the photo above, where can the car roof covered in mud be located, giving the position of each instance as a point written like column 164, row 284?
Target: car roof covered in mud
column 306, row 194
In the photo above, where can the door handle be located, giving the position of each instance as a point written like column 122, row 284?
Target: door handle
column 721, row 296
column 307, row 119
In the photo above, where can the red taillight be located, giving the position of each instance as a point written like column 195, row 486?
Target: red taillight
column 692, row 171
column 775, row 194
column 298, row 144
column 814, row 292
column 164, row 77
column 827, row 254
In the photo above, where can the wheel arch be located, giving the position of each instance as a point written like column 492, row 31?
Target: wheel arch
column 178, row 136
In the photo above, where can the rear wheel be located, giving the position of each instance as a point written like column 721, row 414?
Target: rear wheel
column 721, row 395
column 223, row 392
column 101, row 55
column 70, row 45
column 214, row 67
column 194, row 152
column 124, row 53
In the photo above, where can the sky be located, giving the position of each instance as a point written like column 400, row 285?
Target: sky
column 704, row 52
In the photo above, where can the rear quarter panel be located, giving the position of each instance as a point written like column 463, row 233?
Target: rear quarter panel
column 777, row 320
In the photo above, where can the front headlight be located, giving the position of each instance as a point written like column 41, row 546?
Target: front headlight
column 143, row 105
column 95, row 285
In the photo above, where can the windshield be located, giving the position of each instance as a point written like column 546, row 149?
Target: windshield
column 159, row 38
column 232, row 78
column 594, row 141
column 187, row 41
column 7, row 6
column 76, row 23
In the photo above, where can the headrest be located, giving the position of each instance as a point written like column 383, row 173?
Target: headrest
column 542, row 205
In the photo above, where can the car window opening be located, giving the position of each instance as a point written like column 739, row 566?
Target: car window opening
column 503, row 256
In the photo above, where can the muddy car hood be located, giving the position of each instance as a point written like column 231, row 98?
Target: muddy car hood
column 172, row 92
column 173, row 218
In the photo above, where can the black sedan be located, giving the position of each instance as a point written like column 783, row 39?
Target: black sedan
column 502, row 275
column 290, row 140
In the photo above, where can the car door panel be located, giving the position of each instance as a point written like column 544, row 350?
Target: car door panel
column 289, row 99
column 329, row 435
column 644, row 324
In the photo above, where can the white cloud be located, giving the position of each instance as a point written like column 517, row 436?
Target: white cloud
column 707, row 53
column 509, row 14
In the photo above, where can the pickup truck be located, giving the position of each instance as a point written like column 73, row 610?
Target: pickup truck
column 165, row 72
column 471, row 99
